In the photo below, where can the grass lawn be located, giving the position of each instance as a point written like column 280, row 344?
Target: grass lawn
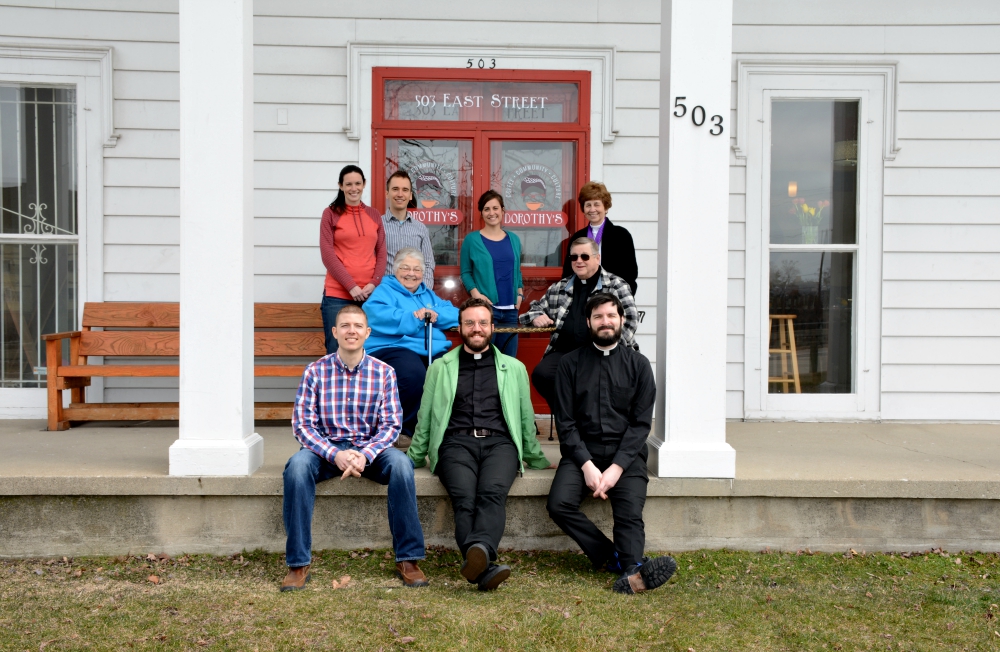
column 719, row 600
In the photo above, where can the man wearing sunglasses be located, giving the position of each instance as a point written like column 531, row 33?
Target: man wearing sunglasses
column 476, row 426
column 563, row 307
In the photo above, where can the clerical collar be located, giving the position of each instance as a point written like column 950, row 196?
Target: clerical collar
column 606, row 351
column 478, row 356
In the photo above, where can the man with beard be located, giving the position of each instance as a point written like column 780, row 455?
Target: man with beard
column 476, row 426
column 604, row 411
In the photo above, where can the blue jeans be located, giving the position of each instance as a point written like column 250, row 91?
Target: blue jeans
column 392, row 467
column 329, row 307
column 411, row 369
column 506, row 342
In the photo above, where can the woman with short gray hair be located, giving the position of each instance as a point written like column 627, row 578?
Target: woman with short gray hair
column 397, row 311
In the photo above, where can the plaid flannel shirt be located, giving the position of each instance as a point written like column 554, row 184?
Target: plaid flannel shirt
column 359, row 407
column 559, row 297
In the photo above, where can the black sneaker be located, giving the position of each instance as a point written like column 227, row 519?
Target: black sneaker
column 646, row 575
column 477, row 561
column 493, row 577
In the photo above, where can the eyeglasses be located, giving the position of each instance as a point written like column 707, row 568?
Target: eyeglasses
column 406, row 268
column 483, row 323
column 583, row 257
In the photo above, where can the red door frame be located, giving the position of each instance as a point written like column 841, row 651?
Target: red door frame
column 536, row 279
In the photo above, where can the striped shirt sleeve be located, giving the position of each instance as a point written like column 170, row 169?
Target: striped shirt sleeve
column 306, row 416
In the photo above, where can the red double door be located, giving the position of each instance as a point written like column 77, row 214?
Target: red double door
column 524, row 134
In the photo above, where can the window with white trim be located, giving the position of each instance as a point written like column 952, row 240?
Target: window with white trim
column 813, row 143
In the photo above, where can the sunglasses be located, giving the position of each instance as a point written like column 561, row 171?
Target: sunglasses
column 583, row 257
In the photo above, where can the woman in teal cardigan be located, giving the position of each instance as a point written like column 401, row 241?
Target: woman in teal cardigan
column 491, row 269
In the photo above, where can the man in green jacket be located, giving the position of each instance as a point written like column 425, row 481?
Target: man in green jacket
column 476, row 425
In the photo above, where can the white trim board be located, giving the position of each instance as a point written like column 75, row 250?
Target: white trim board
column 746, row 69
column 598, row 60
column 34, row 62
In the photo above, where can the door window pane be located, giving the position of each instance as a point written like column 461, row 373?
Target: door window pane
column 38, row 188
column 814, row 172
column 441, row 171
column 452, row 100
column 538, row 183
column 811, row 322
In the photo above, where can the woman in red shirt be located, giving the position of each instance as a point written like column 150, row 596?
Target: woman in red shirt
column 352, row 244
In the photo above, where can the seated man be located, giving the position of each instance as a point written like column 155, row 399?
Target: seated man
column 604, row 410
column 346, row 417
column 476, row 425
column 396, row 311
column 562, row 306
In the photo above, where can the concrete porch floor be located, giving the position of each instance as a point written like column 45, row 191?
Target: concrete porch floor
column 105, row 488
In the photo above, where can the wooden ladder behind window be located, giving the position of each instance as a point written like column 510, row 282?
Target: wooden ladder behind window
column 786, row 347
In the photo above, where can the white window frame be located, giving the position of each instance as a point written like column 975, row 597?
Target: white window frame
column 873, row 88
column 89, row 71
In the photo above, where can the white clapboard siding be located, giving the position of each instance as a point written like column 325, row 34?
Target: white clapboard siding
column 941, row 210
column 627, row 150
column 291, row 203
column 294, row 60
column 948, row 153
column 941, row 378
column 300, row 89
column 941, row 294
column 306, row 118
column 931, row 96
column 638, row 122
column 638, row 94
column 142, row 201
column 955, row 125
column 635, row 207
column 288, row 288
column 142, row 287
column 630, row 178
column 940, row 322
column 941, row 266
column 147, row 114
column 146, row 143
column 142, row 259
column 940, row 350
column 283, row 146
column 982, row 238
column 131, row 229
column 147, row 173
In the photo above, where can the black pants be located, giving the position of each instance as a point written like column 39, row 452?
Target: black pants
column 628, row 497
column 544, row 377
column 477, row 474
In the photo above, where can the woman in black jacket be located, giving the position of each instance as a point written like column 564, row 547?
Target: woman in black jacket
column 615, row 242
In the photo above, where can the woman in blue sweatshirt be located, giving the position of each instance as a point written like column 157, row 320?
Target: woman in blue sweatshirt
column 396, row 312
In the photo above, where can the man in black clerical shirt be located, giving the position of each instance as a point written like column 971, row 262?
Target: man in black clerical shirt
column 476, row 425
column 604, row 411
column 563, row 308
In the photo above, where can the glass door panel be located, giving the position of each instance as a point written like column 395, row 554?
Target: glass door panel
column 38, row 227
column 538, row 181
column 441, row 171
column 813, row 246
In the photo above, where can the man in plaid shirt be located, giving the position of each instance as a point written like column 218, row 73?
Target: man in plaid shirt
column 347, row 415
column 562, row 307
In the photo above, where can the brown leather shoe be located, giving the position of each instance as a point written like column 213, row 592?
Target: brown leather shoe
column 296, row 579
column 410, row 573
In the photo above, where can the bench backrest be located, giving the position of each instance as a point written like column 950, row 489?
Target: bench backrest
column 282, row 341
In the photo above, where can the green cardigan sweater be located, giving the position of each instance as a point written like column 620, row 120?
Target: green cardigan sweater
column 439, row 395
column 477, row 265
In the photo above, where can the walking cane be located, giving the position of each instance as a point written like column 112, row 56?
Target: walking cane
column 429, row 335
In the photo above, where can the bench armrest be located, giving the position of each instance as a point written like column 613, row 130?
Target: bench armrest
column 61, row 336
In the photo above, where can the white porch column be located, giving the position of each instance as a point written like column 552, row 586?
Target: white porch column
column 695, row 63
column 216, row 383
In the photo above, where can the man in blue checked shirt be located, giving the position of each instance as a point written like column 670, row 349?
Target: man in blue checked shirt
column 347, row 416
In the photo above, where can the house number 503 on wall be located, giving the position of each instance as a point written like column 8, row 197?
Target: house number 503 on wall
column 697, row 115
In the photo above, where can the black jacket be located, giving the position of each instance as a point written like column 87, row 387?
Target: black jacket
column 617, row 253
column 605, row 399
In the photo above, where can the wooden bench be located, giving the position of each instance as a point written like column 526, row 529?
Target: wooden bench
column 150, row 330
